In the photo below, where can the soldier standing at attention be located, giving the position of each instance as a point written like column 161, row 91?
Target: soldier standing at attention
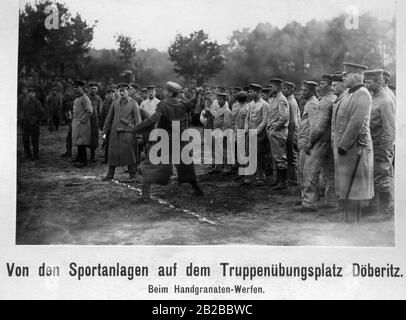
column 352, row 143
column 319, row 157
column 94, row 120
column 292, row 151
column 386, row 75
column 31, row 114
column 134, row 94
column 53, row 107
column 108, row 100
column 277, row 129
column 81, row 113
column 310, row 105
column 383, row 138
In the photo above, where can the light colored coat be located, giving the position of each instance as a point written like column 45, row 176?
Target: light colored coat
column 351, row 132
column 82, row 111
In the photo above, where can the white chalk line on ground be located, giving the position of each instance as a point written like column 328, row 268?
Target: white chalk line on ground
column 161, row 201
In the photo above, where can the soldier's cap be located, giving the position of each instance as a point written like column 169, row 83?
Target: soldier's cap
column 289, row 85
column 173, row 87
column 265, row 89
column 255, row 86
column 338, row 77
column 222, row 89
column 79, row 83
column 310, row 84
column 353, row 68
column 327, row 77
column 151, row 87
column 241, row 95
column 144, row 89
column 392, row 86
column 123, row 85
column 275, row 81
column 222, row 94
column 386, row 74
column 135, row 85
column 31, row 89
column 93, row 84
column 373, row 75
column 109, row 90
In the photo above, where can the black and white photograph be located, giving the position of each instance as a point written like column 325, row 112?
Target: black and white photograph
column 315, row 81
column 206, row 149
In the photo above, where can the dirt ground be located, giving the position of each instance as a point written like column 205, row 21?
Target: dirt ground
column 60, row 204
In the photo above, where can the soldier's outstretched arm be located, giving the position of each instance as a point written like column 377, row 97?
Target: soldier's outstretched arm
column 146, row 124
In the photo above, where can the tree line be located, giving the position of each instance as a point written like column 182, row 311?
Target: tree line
column 294, row 52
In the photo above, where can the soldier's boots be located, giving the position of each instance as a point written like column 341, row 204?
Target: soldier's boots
column 277, row 180
column 385, row 202
column 282, row 185
column 110, row 174
column 67, row 154
column 92, row 155
column 196, row 190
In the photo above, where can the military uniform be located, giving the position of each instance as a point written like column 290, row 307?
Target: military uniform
column 320, row 158
column 31, row 114
column 53, row 108
column 309, row 109
column 292, row 151
column 167, row 111
column 94, row 121
column 382, row 127
column 277, row 130
column 82, row 111
column 121, row 147
column 256, row 119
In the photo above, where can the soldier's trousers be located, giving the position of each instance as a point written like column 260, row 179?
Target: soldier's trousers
column 292, row 155
column 383, row 168
column 54, row 119
column 277, row 141
column 320, row 160
column 31, row 137
column 68, row 141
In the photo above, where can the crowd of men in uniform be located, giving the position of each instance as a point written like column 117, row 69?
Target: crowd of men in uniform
column 336, row 142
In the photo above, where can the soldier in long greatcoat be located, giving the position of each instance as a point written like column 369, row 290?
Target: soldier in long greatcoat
column 121, row 145
column 352, row 143
column 81, row 113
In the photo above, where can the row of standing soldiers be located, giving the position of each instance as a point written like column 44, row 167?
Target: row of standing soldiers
column 337, row 143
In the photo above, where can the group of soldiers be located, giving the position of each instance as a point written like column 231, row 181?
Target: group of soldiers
column 336, row 142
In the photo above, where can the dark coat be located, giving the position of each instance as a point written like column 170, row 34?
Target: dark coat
column 167, row 111
column 31, row 113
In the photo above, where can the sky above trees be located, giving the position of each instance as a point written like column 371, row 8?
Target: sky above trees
column 155, row 23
